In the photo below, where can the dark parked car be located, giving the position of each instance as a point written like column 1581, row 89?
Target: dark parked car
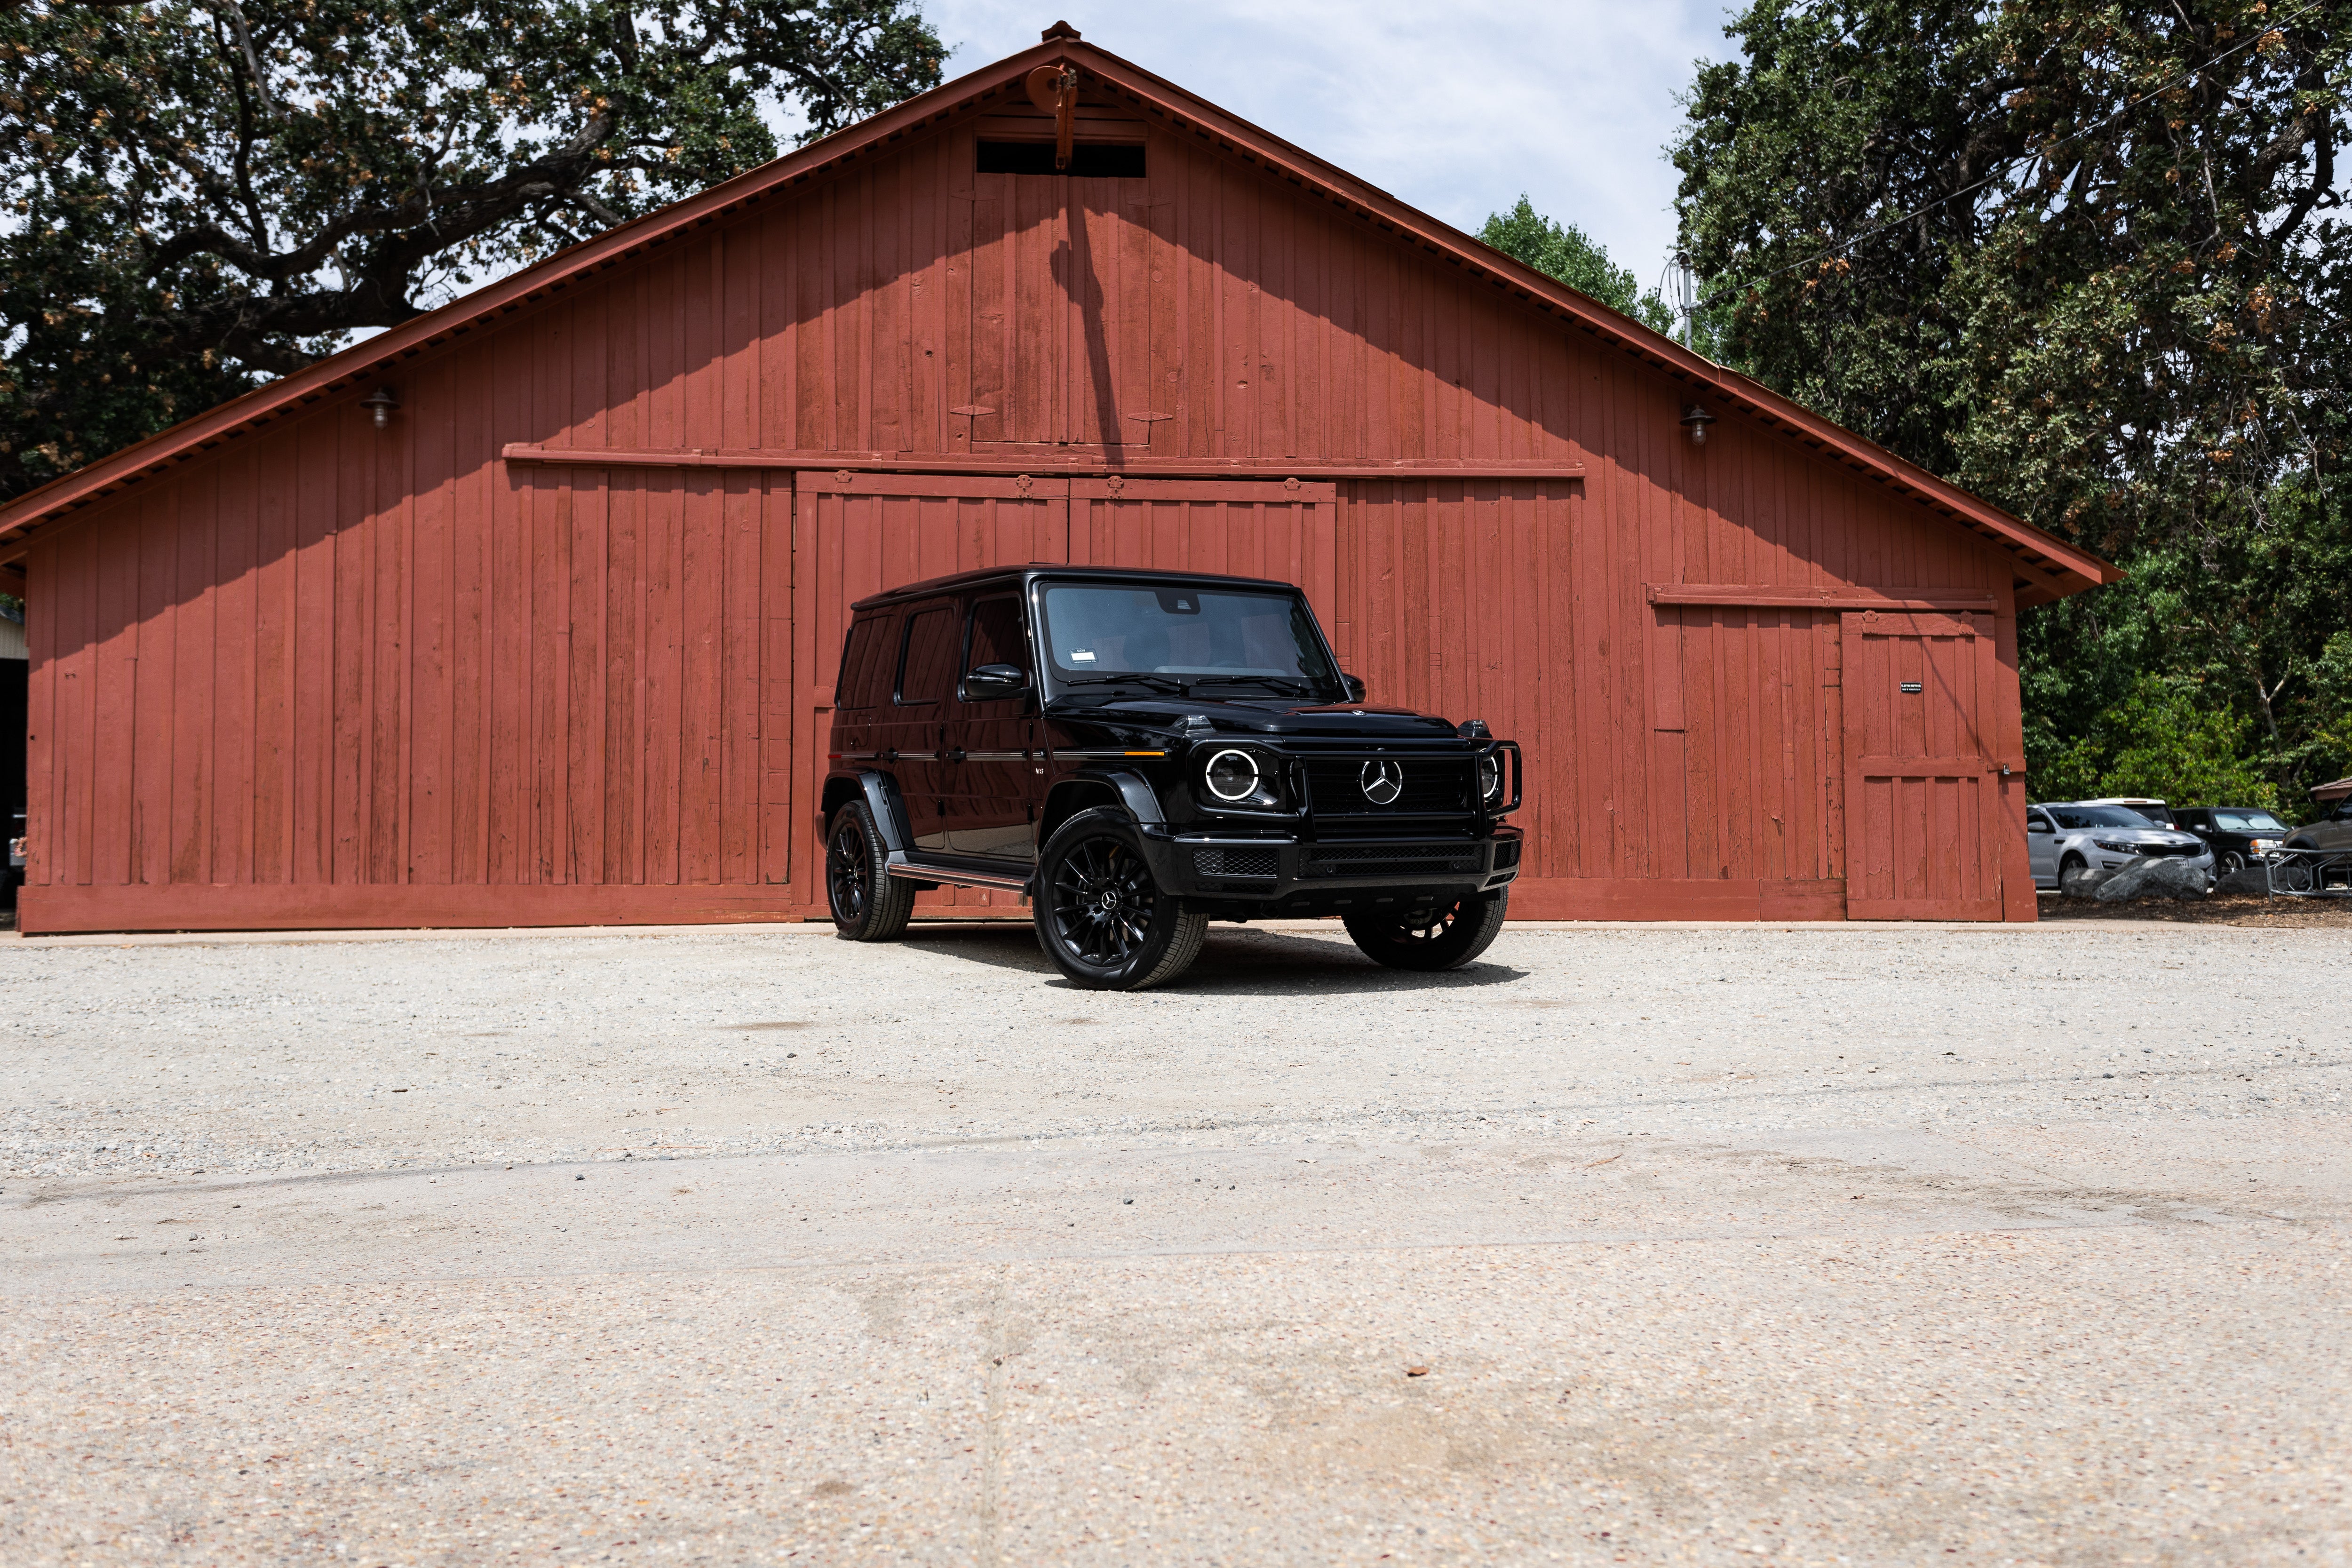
column 1141, row 753
column 2235, row 834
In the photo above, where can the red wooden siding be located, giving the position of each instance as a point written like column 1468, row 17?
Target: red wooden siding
column 338, row 676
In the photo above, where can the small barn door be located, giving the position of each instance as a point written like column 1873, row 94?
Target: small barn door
column 855, row 534
column 1923, row 830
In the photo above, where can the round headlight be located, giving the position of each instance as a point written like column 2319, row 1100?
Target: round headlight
column 1490, row 776
column 1233, row 775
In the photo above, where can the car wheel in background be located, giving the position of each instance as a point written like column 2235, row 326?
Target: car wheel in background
column 2231, row 862
column 1101, row 916
column 2075, row 878
column 1445, row 938
column 868, row 904
column 2294, row 875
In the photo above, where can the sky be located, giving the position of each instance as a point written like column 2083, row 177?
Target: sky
column 1455, row 108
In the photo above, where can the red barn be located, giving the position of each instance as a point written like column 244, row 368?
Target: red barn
column 545, row 632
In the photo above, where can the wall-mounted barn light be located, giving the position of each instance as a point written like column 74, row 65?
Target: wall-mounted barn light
column 1695, row 419
column 383, row 404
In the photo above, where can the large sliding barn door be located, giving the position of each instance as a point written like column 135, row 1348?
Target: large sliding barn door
column 1923, row 822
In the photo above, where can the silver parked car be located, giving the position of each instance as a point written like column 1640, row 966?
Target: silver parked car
column 2068, row 839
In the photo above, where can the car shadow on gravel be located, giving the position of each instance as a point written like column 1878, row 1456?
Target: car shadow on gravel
column 1235, row 962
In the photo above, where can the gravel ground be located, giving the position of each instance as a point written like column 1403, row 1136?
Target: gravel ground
column 1859, row 1244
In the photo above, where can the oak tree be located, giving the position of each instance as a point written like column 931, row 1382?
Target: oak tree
column 203, row 194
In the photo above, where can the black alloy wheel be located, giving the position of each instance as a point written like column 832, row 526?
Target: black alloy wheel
column 1101, row 917
column 1445, row 936
column 868, row 904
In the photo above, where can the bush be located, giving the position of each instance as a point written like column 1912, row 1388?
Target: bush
column 2162, row 740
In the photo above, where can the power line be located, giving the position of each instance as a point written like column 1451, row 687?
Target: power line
column 1848, row 243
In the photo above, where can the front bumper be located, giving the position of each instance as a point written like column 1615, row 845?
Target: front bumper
column 1277, row 871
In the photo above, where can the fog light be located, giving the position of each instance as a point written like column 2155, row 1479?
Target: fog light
column 1233, row 775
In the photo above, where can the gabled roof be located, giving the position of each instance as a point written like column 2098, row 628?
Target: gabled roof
column 2046, row 567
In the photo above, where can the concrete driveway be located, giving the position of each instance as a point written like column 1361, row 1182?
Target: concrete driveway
column 1874, row 1245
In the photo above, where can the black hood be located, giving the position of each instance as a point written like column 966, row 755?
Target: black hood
column 1263, row 716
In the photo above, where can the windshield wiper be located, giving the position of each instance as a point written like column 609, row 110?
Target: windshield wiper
column 1168, row 684
column 1289, row 686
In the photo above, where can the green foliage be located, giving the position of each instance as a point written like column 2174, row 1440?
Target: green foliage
column 2166, row 739
column 2085, row 261
column 202, row 194
column 1566, row 252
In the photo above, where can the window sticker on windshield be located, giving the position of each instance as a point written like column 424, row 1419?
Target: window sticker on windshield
column 1081, row 655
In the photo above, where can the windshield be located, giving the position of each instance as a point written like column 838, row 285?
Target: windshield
column 2248, row 822
column 2074, row 816
column 1177, row 637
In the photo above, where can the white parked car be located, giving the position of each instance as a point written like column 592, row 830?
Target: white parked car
column 2068, row 839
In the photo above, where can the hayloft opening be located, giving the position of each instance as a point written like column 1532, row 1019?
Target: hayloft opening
column 1088, row 159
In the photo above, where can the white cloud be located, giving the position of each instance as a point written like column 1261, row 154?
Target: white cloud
column 1455, row 109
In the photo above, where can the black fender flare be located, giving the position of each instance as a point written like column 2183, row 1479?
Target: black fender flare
column 1134, row 792
column 881, row 792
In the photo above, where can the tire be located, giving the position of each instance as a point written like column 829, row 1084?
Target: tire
column 2296, row 875
column 1101, row 916
column 868, row 904
column 2231, row 863
column 2074, row 877
column 1455, row 936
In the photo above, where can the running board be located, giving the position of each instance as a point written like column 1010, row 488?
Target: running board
column 954, row 876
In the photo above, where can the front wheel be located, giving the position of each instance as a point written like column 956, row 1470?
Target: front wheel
column 1445, row 937
column 1101, row 917
column 2232, row 863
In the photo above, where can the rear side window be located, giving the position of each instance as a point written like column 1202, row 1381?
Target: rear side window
column 865, row 663
column 927, row 671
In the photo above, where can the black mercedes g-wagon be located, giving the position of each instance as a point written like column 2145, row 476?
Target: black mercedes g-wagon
column 1141, row 753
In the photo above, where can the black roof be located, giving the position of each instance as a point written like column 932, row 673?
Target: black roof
column 960, row 581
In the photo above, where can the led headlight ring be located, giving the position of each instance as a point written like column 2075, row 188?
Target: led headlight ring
column 1237, row 769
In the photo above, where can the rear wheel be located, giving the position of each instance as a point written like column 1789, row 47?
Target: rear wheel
column 1446, row 936
column 868, row 904
column 1101, row 917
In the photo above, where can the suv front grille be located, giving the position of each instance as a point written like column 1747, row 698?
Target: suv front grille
column 1432, row 785
column 1389, row 860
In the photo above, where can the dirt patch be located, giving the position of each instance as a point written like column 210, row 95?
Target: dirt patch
column 2222, row 908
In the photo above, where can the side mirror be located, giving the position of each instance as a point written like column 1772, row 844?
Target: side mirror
column 1352, row 686
column 990, row 682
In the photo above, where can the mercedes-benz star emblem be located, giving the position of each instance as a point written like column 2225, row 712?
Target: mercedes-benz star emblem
column 1382, row 781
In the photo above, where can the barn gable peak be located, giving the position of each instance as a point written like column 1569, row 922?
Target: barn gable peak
column 2048, row 567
